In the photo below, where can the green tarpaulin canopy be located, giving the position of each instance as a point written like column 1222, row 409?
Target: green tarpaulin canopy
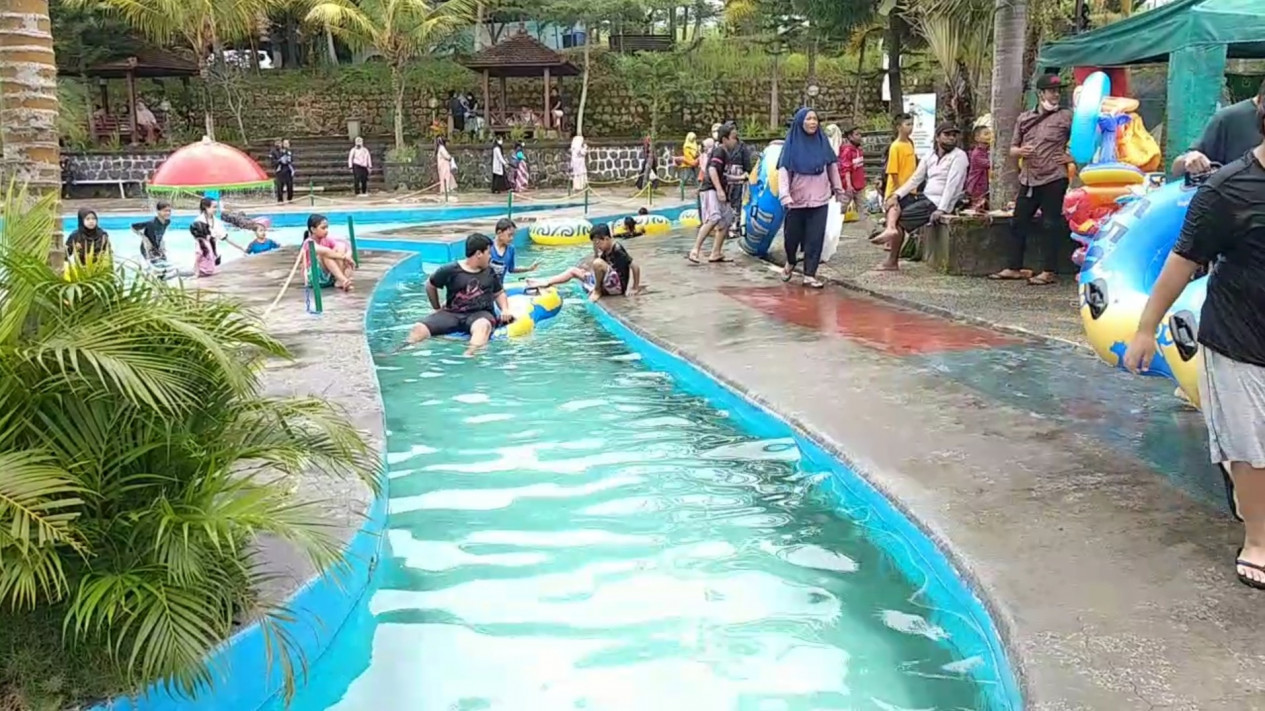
column 1194, row 36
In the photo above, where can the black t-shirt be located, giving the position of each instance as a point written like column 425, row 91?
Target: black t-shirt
column 1231, row 132
column 737, row 167
column 1225, row 227
column 718, row 158
column 621, row 261
column 467, row 292
column 154, row 230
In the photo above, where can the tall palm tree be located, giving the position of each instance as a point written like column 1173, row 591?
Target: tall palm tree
column 202, row 26
column 28, row 96
column 1010, row 31
column 399, row 30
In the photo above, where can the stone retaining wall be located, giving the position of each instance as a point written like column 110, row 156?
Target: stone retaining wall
column 131, row 166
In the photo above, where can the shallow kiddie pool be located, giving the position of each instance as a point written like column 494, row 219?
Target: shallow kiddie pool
column 572, row 529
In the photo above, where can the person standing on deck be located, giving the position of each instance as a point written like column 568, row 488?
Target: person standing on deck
column 901, row 160
column 445, row 165
column 283, row 170
column 1230, row 133
column 500, row 183
column 808, row 176
column 1225, row 227
column 360, row 160
column 1040, row 142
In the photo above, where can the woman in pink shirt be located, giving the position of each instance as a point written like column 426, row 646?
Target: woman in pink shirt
column 361, row 162
column 808, row 176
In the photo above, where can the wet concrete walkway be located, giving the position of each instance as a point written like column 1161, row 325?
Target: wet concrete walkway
column 1079, row 499
column 331, row 362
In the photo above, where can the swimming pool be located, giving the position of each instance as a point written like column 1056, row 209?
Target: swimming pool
column 571, row 529
column 287, row 227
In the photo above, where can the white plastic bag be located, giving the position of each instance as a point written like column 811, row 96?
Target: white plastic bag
column 834, row 228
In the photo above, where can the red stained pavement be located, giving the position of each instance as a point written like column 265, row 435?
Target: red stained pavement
column 874, row 324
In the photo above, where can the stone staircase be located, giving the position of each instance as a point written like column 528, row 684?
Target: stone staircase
column 322, row 163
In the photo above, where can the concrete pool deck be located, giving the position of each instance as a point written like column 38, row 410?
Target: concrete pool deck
column 331, row 362
column 1075, row 497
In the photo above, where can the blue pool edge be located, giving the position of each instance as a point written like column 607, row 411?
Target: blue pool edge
column 951, row 582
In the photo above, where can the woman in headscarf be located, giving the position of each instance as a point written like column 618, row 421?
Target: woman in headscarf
column 835, row 136
column 88, row 238
column 689, row 152
column 708, row 144
column 499, row 166
column 522, row 176
column 579, row 167
column 808, row 177
column 445, row 164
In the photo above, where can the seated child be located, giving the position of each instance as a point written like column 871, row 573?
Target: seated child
column 261, row 243
column 632, row 228
column 334, row 258
column 153, row 250
column 613, row 272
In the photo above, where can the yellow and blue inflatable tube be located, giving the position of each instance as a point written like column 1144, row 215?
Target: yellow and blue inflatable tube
column 689, row 218
column 530, row 306
column 1111, row 174
column 560, row 232
column 650, row 224
column 1177, row 338
column 1121, row 266
column 764, row 210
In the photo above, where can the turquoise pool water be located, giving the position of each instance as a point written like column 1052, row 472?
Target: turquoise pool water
column 570, row 530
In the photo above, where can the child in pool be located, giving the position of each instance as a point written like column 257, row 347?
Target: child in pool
column 207, row 259
column 613, row 272
column 503, row 251
column 261, row 243
column 153, row 249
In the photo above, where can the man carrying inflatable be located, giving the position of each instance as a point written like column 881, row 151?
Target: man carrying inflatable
column 1225, row 226
column 472, row 290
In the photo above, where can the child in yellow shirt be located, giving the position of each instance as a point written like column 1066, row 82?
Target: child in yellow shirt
column 901, row 161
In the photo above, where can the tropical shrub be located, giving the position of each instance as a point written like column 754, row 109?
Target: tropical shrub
column 139, row 460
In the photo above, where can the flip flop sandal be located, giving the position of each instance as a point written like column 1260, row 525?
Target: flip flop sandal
column 692, row 259
column 1017, row 277
column 1038, row 281
column 719, row 261
column 1239, row 562
column 814, row 283
column 787, row 274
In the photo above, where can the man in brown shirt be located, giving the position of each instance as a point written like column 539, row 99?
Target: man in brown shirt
column 1040, row 143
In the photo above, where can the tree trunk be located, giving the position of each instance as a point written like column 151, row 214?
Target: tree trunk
column 672, row 22
column 775, row 101
column 397, row 85
column 896, row 30
column 478, row 26
column 28, row 103
column 1010, row 29
column 584, row 83
column 806, row 100
column 330, row 48
column 856, row 94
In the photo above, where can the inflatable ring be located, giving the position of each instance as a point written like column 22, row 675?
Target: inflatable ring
column 530, row 306
column 1177, row 338
column 650, row 224
column 1084, row 136
column 689, row 218
column 1121, row 267
column 560, row 232
column 764, row 210
column 1112, row 174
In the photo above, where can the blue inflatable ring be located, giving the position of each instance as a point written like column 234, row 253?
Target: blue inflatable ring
column 1084, row 138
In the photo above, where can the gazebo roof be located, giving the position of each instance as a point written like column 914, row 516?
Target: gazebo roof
column 521, row 55
column 146, row 63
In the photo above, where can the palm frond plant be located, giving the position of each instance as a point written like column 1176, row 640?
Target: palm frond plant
column 139, row 460
column 401, row 31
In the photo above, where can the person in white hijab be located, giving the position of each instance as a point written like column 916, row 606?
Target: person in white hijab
column 579, row 168
column 835, row 137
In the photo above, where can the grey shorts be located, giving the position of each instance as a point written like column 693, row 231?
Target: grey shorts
column 712, row 210
column 1232, row 395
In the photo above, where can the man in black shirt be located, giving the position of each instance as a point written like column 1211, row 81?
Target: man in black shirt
column 1225, row 227
column 472, row 291
column 1230, row 133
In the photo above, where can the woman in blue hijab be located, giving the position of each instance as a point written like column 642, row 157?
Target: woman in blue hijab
column 808, row 176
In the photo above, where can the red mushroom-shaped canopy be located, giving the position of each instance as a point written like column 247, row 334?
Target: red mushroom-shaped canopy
column 208, row 165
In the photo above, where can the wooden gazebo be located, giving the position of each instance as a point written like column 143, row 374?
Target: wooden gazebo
column 519, row 56
column 145, row 64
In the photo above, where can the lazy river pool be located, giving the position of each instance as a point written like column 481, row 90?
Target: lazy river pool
column 572, row 529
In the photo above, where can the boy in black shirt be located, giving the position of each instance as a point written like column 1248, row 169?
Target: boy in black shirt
column 714, row 196
column 1225, row 227
column 472, row 291
column 614, row 273
column 153, row 251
